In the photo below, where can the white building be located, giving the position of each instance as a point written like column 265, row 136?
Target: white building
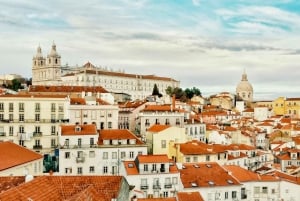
column 49, row 71
column 32, row 120
column 152, row 176
column 84, row 151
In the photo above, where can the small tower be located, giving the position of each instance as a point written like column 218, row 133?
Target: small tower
column 38, row 62
column 54, row 64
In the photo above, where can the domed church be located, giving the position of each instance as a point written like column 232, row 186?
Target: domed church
column 244, row 89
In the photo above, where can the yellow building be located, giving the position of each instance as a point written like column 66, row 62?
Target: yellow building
column 160, row 136
column 278, row 106
column 292, row 107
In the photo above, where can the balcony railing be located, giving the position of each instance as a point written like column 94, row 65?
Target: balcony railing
column 80, row 159
column 37, row 147
column 37, row 134
column 156, row 186
column 144, row 186
column 168, row 185
column 2, row 133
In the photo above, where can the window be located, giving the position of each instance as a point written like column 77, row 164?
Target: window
column 91, row 141
column 92, row 169
column 109, row 115
column 195, row 159
column 177, row 121
column 21, row 117
column 11, row 131
column 52, row 107
column 114, row 155
column 207, row 157
column 187, row 159
column 60, row 108
column 79, row 170
column 53, row 143
column 37, row 117
column 53, row 129
column 11, row 117
column 105, row 169
column 109, row 124
column 92, row 154
column 264, row 189
column 163, row 144
column 153, row 167
column 131, row 154
column 174, row 180
column 146, row 167
column 233, row 194
column 67, row 154
column 2, row 107
column 226, row 195
column 123, row 154
column 79, row 142
column 165, row 194
column 37, row 107
column 21, row 107
column 11, row 107
column 256, row 190
column 21, row 129
column 105, row 155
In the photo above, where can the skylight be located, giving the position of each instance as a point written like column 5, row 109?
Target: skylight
column 194, row 184
column 211, row 183
column 130, row 165
column 229, row 181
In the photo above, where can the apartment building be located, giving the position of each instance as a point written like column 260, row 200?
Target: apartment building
column 152, row 176
column 86, row 151
column 32, row 120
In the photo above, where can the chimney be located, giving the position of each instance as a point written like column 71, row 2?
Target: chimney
column 173, row 102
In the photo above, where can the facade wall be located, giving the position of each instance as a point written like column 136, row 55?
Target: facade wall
column 34, row 168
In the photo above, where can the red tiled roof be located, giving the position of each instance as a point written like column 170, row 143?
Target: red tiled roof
column 67, row 89
column 158, row 128
column 150, row 108
column 116, row 134
column 13, row 155
column 86, row 129
column 77, row 101
column 205, row 175
column 63, row 188
column 163, row 158
column 189, row 196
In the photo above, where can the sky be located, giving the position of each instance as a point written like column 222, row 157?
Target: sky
column 206, row 44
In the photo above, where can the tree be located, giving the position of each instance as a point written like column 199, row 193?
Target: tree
column 190, row 93
column 155, row 91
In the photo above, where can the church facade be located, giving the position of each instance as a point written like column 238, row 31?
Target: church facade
column 49, row 71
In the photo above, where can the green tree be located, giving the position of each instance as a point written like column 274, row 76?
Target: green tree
column 16, row 84
column 155, row 91
column 192, row 92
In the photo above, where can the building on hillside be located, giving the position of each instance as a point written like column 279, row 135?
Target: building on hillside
column 279, row 106
column 195, row 129
column 292, row 107
column 158, row 138
column 19, row 161
column 32, row 120
column 128, row 113
column 152, row 176
column 66, row 188
column 84, row 151
column 255, row 186
column 289, row 159
column 94, row 110
column 49, row 71
column 160, row 115
column 223, row 100
column 261, row 113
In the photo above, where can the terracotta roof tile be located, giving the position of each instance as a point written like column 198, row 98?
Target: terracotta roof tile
column 163, row 158
column 117, row 134
column 189, row 196
column 14, row 155
column 158, row 128
column 205, row 175
column 63, row 188
column 66, row 89
column 86, row 129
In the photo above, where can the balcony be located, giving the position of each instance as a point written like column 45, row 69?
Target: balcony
column 80, row 159
column 37, row 134
column 37, row 147
column 144, row 186
column 156, row 186
column 2, row 134
column 4, row 120
column 168, row 185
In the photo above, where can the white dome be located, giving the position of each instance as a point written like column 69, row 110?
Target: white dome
column 244, row 85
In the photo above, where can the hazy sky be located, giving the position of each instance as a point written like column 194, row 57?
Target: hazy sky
column 202, row 43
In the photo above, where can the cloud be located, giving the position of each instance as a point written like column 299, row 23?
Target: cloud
column 196, row 2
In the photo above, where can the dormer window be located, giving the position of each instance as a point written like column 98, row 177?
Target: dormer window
column 77, row 128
